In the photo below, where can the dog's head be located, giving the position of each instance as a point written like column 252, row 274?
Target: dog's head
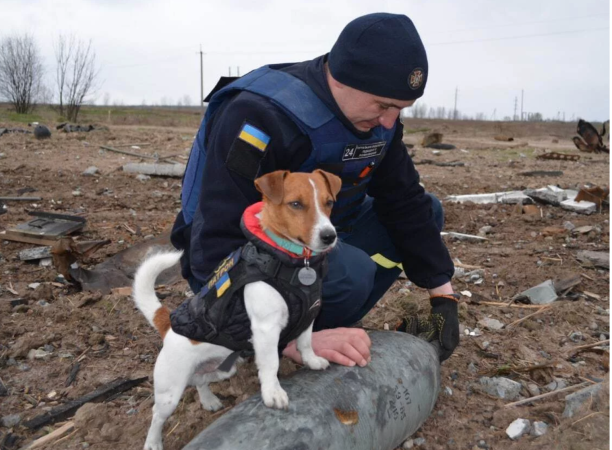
column 297, row 206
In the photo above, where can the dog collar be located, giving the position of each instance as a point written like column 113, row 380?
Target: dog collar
column 292, row 247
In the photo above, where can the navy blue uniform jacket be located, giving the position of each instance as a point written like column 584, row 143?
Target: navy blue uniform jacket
column 399, row 200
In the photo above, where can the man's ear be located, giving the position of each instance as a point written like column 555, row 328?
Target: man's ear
column 271, row 186
column 334, row 183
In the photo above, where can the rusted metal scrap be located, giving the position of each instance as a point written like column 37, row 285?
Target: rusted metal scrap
column 559, row 156
column 66, row 251
column 594, row 194
column 591, row 141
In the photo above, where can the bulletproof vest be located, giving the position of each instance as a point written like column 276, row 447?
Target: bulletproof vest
column 217, row 315
column 335, row 148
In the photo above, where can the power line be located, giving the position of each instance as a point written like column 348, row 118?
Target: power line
column 520, row 24
column 515, row 37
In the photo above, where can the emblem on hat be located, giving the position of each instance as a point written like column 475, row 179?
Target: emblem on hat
column 415, row 79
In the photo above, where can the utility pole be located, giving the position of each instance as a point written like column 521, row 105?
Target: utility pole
column 522, row 95
column 563, row 116
column 201, row 79
column 494, row 112
column 455, row 110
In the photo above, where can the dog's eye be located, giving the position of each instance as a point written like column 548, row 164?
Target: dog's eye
column 296, row 205
column 329, row 203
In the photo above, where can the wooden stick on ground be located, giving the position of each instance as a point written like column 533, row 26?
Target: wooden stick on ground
column 542, row 309
column 67, row 427
column 548, row 394
column 124, row 152
column 594, row 344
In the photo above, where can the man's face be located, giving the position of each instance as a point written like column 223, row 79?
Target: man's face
column 366, row 111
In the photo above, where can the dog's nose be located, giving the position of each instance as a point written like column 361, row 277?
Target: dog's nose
column 327, row 236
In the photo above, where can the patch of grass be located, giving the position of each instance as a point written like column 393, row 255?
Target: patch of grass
column 12, row 116
column 415, row 130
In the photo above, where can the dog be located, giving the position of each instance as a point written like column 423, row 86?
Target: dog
column 296, row 207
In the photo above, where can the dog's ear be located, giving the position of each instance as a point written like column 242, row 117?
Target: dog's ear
column 334, row 183
column 271, row 186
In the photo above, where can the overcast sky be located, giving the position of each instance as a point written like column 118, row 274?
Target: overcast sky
column 557, row 51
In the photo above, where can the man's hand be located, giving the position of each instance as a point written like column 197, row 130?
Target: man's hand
column 344, row 346
column 442, row 325
column 445, row 324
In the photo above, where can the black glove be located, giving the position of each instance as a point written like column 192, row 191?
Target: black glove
column 442, row 325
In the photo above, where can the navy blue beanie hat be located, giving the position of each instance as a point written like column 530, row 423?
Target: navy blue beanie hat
column 381, row 54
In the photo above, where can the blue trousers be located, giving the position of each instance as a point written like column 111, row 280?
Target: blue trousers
column 355, row 282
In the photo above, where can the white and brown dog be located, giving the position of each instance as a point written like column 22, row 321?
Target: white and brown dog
column 296, row 207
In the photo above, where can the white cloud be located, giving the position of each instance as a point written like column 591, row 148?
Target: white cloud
column 149, row 49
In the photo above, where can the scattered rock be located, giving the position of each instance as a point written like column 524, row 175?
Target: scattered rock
column 569, row 225
column 539, row 429
column 448, row 391
column 576, row 336
column 582, row 399
column 485, row 230
column 33, row 286
column 490, row 323
column 408, row 444
column 533, row 389
column 419, row 441
column 90, row 171
column 472, row 368
column 556, row 384
column 518, row 428
column 11, row 420
column 38, row 353
column 142, row 177
column 501, row 387
column 28, row 341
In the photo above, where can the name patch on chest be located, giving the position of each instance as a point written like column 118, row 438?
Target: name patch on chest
column 361, row 151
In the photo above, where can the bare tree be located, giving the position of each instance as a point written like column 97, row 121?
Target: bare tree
column 76, row 75
column 106, row 99
column 21, row 72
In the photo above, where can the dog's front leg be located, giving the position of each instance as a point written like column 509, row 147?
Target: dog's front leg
column 268, row 314
column 304, row 346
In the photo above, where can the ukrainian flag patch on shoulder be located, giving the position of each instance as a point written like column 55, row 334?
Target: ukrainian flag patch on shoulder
column 254, row 136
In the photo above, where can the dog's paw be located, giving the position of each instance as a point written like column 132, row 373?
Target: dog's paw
column 212, row 404
column 275, row 397
column 153, row 446
column 317, row 363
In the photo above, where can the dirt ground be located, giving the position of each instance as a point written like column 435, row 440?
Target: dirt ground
column 109, row 339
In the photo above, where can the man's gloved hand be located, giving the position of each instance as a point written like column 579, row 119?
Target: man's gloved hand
column 445, row 323
column 442, row 325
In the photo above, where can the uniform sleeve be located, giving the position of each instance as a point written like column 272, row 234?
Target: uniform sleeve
column 234, row 159
column 404, row 209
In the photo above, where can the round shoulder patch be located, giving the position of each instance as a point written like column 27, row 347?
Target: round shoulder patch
column 415, row 79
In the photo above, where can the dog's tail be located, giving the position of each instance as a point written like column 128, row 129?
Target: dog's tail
column 144, row 290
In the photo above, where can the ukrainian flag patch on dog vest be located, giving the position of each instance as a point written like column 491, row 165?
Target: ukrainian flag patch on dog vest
column 254, row 136
column 220, row 278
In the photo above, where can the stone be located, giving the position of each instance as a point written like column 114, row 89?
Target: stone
column 501, row 387
column 38, row 353
column 542, row 294
column 11, row 420
column 90, row 171
column 582, row 207
column 569, row 225
column 142, row 178
column 33, row 285
column 583, row 398
column 490, row 323
column 448, row 391
column 419, row 441
column 539, row 429
column 408, row 444
column 76, row 193
column 472, row 368
column 533, row 389
column 518, row 428
column 556, row 384
column 576, row 336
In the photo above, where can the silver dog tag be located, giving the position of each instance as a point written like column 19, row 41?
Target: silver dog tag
column 307, row 276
